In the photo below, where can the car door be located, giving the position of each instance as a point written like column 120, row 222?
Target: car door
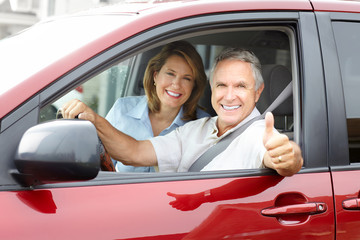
column 341, row 61
column 237, row 204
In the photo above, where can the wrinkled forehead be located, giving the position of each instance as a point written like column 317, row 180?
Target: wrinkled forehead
column 234, row 70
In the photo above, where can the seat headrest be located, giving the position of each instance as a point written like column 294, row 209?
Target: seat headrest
column 276, row 78
column 205, row 100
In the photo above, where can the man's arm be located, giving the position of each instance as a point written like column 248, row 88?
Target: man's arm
column 120, row 146
column 282, row 155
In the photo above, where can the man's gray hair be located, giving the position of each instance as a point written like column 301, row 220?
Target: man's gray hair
column 242, row 55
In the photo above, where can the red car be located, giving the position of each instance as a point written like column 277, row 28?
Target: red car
column 50, row 183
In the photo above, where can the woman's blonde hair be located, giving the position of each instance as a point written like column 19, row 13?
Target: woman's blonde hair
column 192, row 57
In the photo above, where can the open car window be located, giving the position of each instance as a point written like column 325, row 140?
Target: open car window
column 98, row 92
column 273, row 46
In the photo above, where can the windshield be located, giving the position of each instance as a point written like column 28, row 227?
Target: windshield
column 24, row 54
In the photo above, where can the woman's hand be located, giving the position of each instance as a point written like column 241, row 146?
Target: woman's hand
column 76, row 108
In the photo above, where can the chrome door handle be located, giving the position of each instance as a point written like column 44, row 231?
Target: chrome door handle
column 351, row 204
column 304, row 208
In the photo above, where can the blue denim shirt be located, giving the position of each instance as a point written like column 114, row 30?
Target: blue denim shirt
column 130, row 115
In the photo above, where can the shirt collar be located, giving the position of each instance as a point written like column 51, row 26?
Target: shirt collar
column 178, row 121
column 255, row 112
column 141, row 111
column 252, row 115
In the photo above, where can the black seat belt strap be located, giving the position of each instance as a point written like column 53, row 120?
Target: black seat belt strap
column 215, row 150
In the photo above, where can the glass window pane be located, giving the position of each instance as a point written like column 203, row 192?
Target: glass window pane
column 347, row 35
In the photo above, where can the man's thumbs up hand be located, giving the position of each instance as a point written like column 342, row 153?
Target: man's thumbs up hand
column 280, row 154
column 269, row 127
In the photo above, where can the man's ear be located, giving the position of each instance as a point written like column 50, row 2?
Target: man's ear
column 258, row 92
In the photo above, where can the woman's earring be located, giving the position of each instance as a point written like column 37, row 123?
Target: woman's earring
column 154, row 83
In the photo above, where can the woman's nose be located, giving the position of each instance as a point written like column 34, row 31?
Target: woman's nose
column 176, row 82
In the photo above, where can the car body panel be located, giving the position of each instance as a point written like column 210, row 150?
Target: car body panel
column 344, row 172
column 114, row 210
column 346, row 203
column 336, row 6
column 308, row 205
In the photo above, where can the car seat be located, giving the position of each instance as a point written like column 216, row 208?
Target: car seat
column 276, row 78
column 205, row 100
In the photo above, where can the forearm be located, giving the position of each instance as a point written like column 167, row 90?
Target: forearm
column 120, row 146
column 124, row 148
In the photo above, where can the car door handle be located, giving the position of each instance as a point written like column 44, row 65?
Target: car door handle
column 351, row 204
column 304, row 208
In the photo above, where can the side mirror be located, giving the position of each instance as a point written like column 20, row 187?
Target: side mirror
column 57, row 151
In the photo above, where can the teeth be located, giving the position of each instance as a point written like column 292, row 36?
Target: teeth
column 230, row 107
column 173, row 94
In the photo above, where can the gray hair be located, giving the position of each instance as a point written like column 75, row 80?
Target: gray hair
column 242, row 55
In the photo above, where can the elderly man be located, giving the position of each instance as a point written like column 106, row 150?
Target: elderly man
column 236, row 84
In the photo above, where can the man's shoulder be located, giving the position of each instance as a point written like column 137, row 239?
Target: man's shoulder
column 198, row 126
column 201, row 121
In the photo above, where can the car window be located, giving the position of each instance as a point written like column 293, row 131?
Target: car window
column 125, row 78
column 273, row 48
column 271, row 45
column 347, row 36
column 99, row 92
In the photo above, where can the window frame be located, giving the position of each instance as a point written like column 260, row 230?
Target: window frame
column 338, row 137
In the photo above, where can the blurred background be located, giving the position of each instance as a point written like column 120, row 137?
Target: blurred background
column 16, row 15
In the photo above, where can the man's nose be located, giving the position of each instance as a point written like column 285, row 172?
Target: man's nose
column 230, row 94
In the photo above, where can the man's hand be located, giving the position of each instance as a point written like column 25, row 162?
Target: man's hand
column 186, row 202
column 282, row 154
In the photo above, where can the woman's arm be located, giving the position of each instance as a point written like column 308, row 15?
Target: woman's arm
column 120, row 146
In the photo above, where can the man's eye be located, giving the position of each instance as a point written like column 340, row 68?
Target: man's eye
column 170, row 74
column 242, row 85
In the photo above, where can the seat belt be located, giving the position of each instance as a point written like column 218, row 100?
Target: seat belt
column 215, row 150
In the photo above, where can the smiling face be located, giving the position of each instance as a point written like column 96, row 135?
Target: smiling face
column 233, row 93
column 174, row 83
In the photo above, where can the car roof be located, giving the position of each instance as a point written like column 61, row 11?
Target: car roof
column 120, row 21
column 336, row 5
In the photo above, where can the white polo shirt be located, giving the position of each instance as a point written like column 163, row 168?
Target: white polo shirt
column 178, row 150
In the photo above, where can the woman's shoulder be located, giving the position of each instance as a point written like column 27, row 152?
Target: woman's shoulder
column 123, row 106
column 130, row 101
column 126, row 104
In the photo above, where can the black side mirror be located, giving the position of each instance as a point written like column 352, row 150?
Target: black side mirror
column 57, row 151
